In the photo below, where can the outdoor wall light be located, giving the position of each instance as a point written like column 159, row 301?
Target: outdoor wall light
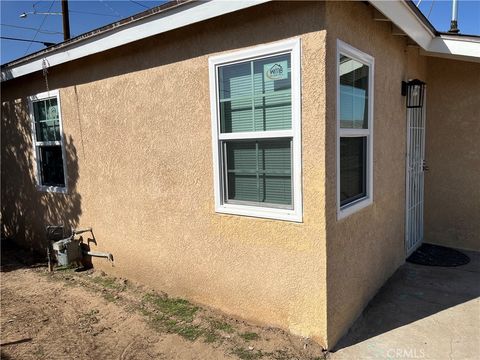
column 414, row 91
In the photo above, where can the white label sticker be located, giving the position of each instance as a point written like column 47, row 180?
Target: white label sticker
column 275, row 71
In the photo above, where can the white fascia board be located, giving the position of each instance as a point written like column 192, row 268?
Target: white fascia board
column 455, row 47
column 403, row 17
column 174, row 18
column 460, row 48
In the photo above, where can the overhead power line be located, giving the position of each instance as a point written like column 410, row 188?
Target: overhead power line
column 431, row 8
column 91, row 13
column 39, row 29
column 136, row 2
column 46, row 43
column 30, row 28
column 108, row 7
column 41, row 25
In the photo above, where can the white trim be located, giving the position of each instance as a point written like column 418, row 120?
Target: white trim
column 170, row 19
column 31, row 99
column 255, row 52
column 48, row 143
column 186, row 14
column 256, row 135
column 354, row 132
column 462, row 48
column 258, row 211
column 291, row 46
column 348, row 50
column 402, row 15
column 52, row 189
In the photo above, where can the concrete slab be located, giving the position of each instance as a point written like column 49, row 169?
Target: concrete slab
column 422, row 312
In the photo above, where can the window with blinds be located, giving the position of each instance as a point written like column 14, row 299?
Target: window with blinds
column 251, row 101
column 255, row 131
column 48, row 141
column 257, row 171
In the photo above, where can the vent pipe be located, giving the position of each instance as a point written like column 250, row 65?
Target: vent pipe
column 453, row 23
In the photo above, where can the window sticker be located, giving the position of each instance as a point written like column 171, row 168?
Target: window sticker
column 275, row 71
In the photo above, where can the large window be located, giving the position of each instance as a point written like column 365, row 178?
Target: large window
column 48, row 141
column 354, row 129
column 255, row 98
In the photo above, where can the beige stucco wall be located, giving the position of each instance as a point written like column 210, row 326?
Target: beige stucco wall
column 138, row 137
column 364, row 249
column 452, row 184
column 138, row 140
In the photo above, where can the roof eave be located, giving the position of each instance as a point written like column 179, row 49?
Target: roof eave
column 454, row 47
column 402, row 13
column 173, row 18
column 412, row 22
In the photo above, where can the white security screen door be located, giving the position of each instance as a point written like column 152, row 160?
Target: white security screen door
column 415, row 92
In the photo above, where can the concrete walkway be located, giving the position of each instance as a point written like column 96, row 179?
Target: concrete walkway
column 421, row 313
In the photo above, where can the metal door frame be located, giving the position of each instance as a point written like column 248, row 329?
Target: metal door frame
column 415, row 177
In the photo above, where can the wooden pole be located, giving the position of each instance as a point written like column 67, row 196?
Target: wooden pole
column 66, row 20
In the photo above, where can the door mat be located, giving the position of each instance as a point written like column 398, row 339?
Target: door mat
column 434, row 255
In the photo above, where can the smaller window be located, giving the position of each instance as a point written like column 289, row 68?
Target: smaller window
column 354, row 129
column 48, row 141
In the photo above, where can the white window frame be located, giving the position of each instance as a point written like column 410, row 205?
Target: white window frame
column 350, row 208
column 36, row 144
column 293, row 47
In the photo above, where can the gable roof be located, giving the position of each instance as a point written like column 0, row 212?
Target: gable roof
column 179, row 13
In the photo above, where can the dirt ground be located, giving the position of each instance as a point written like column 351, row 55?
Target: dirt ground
column 87, row 315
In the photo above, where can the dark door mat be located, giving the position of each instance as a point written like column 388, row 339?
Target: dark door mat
column 434, row 255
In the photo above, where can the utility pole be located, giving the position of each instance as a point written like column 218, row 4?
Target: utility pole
column 66, row 20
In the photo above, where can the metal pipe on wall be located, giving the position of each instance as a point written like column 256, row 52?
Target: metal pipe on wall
column 454, row 22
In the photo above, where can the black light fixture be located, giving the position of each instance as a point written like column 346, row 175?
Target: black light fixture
column 414, row 91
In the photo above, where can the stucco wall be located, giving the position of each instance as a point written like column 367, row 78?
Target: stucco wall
column 138, row 137
column 138, row 141
column 365, row 248
column 452, row 185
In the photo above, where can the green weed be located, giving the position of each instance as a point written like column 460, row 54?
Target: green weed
column 210, row 336
column 172, row 307
column 249, row 336
column 245, row 354
column 106, row 282
column 109, row 297
column 221, row 325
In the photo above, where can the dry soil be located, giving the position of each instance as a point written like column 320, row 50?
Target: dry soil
column 87, row 315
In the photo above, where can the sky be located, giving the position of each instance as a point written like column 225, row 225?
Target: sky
column 89, row 15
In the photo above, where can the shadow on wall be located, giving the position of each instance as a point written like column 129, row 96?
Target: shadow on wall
column 25, row 211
